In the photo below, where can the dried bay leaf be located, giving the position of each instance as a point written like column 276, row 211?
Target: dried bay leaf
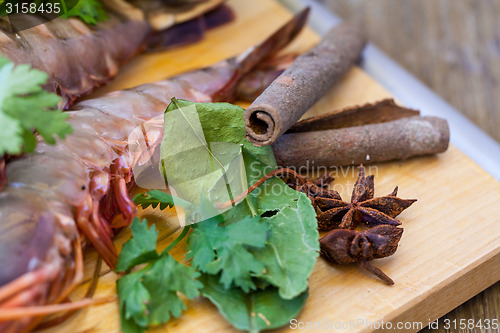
column 200, row 142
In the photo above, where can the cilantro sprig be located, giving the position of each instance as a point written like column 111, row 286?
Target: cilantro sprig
column 25, row 106
column 89, row 11
column 216, row 247
column 226, row 249
column 148, row 296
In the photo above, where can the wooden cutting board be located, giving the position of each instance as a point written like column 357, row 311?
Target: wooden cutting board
column 450, row 249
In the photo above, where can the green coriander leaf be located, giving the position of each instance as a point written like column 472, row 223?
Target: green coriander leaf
column 23, row 79
column 24, row 107
column 235, row 260
column 254, row 311
column 165, row 279
column 155, row 197
column 139, row 249
column 133, row 298
column 89, row 11
column 227, row 249
column 11, row 135
column 149, row 297
column 129, row 325
column 199, row 241
column 46, row 122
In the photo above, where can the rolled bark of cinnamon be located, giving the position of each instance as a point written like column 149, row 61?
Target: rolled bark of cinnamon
column 302, row 84
column 398, row 139
column 371, row 113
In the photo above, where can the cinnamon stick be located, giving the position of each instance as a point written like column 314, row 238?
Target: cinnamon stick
column 370, row 113
column 302, row 84
column 398, row 139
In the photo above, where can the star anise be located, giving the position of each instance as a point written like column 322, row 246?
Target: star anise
column 316, row 188
column 342, row 246
column 363, row 208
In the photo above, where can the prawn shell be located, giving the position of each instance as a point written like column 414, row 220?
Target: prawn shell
column 58, row 174
column 28, row 233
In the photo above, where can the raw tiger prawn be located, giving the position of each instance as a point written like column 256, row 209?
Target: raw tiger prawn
column 80, row 57
column 78, row 189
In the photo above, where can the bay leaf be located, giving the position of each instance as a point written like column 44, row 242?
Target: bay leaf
column 200, row 142
column 254, row 311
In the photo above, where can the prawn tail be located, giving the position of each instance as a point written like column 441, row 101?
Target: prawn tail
column 255, row 55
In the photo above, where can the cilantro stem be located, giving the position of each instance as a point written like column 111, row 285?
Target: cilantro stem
column 178, row 239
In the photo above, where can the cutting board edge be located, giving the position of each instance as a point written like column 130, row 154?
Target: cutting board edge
column 409, row 311
column 449, row 294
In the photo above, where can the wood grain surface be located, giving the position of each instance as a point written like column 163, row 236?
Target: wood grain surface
column 443, row 259
column 454, row 48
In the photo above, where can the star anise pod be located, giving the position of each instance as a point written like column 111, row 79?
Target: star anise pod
column 316, row 188
column 363, row 208
column 342, row 246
